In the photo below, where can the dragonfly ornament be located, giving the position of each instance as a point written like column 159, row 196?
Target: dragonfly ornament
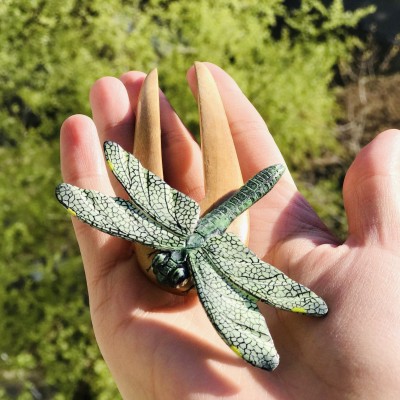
column 229, row 277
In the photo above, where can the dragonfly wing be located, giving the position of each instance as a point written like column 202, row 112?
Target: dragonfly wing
column 233, row 313
column 150, row 193
column 116, row 217
column 265, row 282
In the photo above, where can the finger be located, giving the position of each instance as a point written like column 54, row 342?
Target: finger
column 112, row 112
column 82, row 164
column 372, row 191
column 113, row 116
column 182, row 161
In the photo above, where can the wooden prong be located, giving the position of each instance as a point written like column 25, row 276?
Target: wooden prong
column 147, row 142
column 147, row 149
column 222, row 175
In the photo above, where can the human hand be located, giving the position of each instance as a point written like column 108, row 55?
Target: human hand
column 158, row 345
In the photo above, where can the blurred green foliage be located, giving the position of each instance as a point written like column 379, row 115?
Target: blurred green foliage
column 51, row 52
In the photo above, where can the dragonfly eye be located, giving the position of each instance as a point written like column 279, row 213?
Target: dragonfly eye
column 179, row 275
column 160, row 260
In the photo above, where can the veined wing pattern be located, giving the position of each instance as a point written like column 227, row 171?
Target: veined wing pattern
column 156, row 215
column 168, row 207
column 233, row 313
column 266, row 283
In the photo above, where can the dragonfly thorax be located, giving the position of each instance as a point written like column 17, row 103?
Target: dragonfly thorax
column 194, row 241
column 171, row 269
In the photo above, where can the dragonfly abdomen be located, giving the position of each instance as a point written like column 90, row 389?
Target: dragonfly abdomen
column 218, row 220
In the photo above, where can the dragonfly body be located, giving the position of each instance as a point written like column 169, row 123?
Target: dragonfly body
column 171, row 268
column 218, row 220
column 229, row 277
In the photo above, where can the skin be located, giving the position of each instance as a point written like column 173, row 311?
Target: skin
column 161, row 346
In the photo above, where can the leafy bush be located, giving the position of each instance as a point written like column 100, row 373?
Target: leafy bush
column 283, row 62
column 51, row 53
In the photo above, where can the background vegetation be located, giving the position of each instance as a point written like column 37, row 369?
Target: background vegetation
column 50, row 54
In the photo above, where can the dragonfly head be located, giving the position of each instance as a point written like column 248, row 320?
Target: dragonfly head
column 171, row 269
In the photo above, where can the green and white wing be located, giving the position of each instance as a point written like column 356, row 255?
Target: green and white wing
column 233, row 313
column 171, row 208
column 242, row 267
column 116, row 217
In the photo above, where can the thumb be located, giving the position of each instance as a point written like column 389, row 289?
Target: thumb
column 371, row 192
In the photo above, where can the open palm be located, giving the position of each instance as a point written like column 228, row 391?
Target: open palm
column 161, row 346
